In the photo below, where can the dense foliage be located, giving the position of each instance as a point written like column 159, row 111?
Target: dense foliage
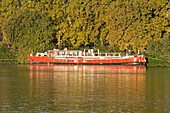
column 28, row 31
column 160, row 50
column 112, row 25
column 6, row 55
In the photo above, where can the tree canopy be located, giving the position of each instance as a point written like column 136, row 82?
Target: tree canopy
column 28, row 31
column 111, row 24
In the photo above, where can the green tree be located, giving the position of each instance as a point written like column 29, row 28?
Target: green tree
column 7, row 8
column 134, row 23
column 105, row 24
column 28, row 31
column 160, row 50
column 81, row 23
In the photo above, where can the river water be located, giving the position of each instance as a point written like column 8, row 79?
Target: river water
column 84, row 89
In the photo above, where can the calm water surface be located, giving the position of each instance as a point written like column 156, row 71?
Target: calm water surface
column 84, row 89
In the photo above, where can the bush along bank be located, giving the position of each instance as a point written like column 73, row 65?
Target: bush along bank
column 7, row 56
column 157, row 62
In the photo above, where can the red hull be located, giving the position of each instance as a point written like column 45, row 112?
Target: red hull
column 128, row 60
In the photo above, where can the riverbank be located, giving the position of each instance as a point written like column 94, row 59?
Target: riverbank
column 157, row 62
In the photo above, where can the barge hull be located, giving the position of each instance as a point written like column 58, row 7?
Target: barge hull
column 80, row 61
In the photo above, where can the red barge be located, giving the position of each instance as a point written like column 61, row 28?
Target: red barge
column 86, row 57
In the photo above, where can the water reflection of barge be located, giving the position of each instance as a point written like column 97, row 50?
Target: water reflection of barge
column 89, row 68
column 120, row 86
column 76, row 73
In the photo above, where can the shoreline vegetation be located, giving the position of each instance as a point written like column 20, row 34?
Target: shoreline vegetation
column 31, row 26
column 158, row 62
column 8, row 57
